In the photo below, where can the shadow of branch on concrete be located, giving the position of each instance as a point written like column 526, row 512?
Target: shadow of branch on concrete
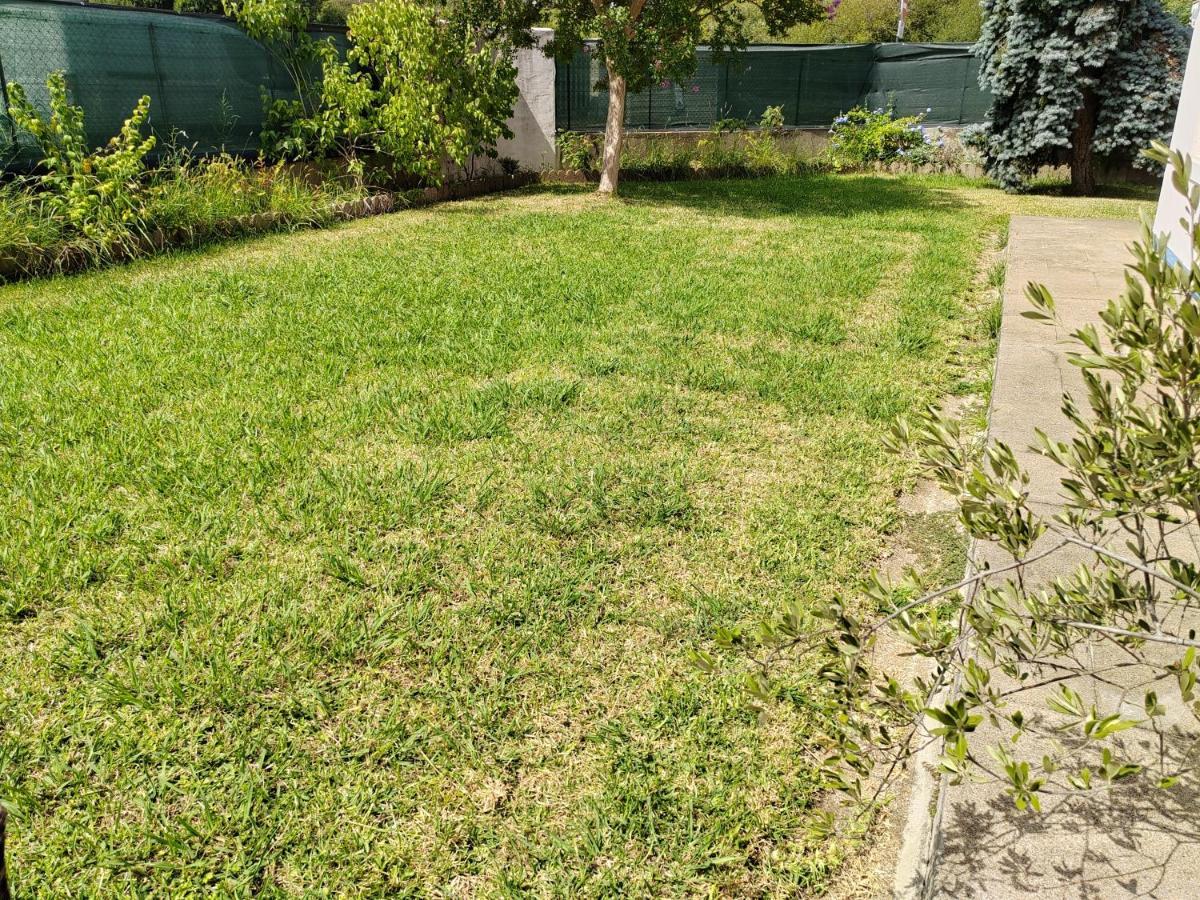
column 1129, row 842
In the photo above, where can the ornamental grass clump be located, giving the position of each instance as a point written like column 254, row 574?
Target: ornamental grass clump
column 730, row 150
column 221, row 196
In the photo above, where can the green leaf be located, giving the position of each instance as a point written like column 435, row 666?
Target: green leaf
column 1110, row 725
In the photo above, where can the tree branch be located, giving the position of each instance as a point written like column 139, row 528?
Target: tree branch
column 979, row 576
column 1122, row 632
column 1100, row 550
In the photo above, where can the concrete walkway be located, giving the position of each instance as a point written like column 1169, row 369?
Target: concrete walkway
column 1092, row 845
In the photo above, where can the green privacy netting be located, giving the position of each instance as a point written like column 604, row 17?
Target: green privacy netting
column 205, row 78
column 813, row 84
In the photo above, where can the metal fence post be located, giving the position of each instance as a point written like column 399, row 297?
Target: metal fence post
column 12, row 136
column 570, row 80
column 800, row 70
column 962, row 94
column 4, row 894
column 723, row 97
column 161, row 100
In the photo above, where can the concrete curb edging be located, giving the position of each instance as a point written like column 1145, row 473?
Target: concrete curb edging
column 916, row 866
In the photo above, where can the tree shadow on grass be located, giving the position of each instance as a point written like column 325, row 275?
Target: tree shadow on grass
column 835, row 196
column 819, row 195
column 1060, row 186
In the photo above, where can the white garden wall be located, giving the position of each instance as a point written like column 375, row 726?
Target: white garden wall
column 532, row 122
column 1186, row 138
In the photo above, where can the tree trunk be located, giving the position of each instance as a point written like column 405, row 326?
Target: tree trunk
column 614, row 133
column 1083, row 165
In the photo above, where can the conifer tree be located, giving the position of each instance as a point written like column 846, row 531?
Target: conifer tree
column 1076, row 82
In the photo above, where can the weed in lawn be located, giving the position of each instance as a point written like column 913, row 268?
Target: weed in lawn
column 993, row 319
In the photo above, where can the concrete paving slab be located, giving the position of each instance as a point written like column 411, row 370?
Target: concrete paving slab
column 1143, row 843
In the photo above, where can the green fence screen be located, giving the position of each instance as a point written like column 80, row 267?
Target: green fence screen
column 813, row 84
column 204, row 76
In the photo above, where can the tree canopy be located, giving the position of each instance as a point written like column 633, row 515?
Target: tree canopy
column 874, row 21
column 647, row 41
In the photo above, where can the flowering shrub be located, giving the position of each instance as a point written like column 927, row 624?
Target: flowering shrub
column 862, row 136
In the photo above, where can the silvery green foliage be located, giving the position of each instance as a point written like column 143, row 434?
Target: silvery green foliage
column 1040, row 59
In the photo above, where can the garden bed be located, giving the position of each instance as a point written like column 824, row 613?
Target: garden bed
column 40, row 260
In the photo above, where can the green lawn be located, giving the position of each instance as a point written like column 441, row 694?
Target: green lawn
column 365, row 561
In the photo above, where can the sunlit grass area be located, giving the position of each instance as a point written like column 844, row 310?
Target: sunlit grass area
column 366, row 561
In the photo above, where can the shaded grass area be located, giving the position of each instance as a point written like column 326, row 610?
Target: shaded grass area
column 365, row 561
